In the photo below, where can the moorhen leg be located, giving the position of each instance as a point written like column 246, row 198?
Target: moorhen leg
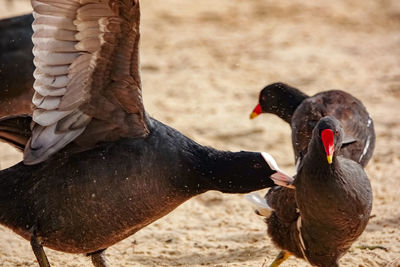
column 282, row 256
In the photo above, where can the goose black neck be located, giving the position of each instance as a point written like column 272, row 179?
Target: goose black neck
column 198, row 168
column 234, row 172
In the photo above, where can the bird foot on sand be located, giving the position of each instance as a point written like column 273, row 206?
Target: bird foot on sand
column 282, row 256
column 372, row 247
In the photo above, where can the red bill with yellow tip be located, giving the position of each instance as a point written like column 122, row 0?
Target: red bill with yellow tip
column 257, row 111
column 327, row 140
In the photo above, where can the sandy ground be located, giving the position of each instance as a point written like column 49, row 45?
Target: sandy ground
column 204, row 63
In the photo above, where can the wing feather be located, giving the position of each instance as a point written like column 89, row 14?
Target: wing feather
column 87, row 69
column 46, row 102
column 48, row 117
column 51, row 70
column 47, row 22
column 46, row 90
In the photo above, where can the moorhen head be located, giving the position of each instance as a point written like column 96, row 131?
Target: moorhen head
column 279, row 99
column 329, row 133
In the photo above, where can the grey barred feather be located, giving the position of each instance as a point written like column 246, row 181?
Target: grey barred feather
column 38, row 145
column 75, row 121
column 46, row 90
column 54, row 58
column 57, row 81
column 46, row 102
column 60, row 23
column 48, row 117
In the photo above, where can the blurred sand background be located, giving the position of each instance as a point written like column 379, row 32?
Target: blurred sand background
column 203, row 64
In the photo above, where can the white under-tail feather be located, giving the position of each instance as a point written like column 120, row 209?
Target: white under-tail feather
column 259, row 203
column 365, row 150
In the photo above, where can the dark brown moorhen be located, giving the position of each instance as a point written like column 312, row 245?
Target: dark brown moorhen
column 303, row 112
column 16, row 65
column 330, row 207
column 97, row 168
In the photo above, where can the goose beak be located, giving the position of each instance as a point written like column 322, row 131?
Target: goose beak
column 283, row 179
column 279, row 177
column 327, row 140
column 257, row 111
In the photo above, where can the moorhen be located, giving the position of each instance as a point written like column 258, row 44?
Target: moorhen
column 330, row 207
column 303, row 112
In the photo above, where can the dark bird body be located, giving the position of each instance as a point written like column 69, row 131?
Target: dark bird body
column 96, row 167
column 88, row 201
column 330, row 207
column 16, row 65
column 335, row 203
column 332, row 202
column 303, row 112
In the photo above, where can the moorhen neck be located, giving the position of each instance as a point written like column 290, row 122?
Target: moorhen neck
column 303, row 113
column 96, row 167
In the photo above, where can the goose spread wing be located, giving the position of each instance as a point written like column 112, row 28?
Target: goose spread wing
column 87, row 86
